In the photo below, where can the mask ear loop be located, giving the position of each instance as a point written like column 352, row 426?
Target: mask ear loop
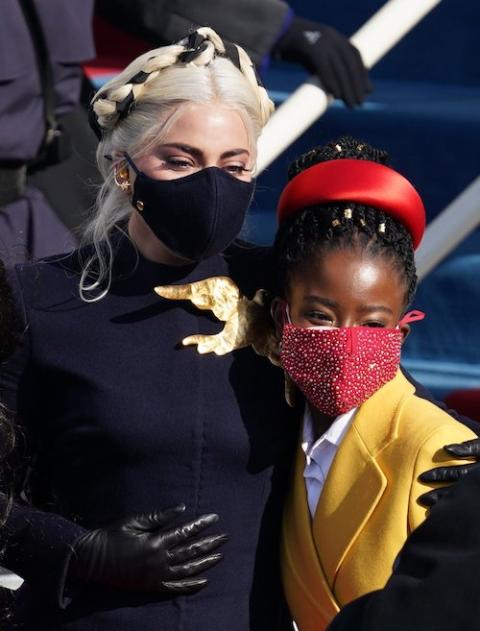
column 289, row 386
column 132, row 163
column 285, row 313
column 411, row 316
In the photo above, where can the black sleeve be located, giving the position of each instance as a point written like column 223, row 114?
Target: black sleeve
column 40, row 546
column 436, row 581
column 423, row 393
column 254, row 24
column 39, row 543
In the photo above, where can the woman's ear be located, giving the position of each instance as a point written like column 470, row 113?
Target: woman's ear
column 277, row 311
column 405, row 331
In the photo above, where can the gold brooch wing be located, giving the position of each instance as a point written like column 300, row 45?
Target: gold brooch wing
column 247, row 322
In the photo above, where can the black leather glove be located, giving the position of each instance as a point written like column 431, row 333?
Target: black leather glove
column 329, row 55
column 148, row 553
column 468, row 449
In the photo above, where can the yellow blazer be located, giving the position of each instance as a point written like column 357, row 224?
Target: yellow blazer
column 368, row 505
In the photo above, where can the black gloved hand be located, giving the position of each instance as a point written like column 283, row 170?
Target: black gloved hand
column 147, row 553
column 329, row 55
column 468, row 449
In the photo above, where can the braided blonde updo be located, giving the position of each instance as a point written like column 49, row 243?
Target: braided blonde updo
column 132, row 111
column 147, row 69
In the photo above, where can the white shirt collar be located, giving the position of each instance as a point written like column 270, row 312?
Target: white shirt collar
column 333, row 435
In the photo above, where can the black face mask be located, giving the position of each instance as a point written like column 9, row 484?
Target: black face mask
column 195, row 216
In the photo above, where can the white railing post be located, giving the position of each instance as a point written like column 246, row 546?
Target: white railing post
column 378, row 35
column 449, row 228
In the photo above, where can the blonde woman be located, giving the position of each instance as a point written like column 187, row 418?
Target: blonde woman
column 141, row 447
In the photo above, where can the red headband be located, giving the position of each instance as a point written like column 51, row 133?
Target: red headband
column 356, row 181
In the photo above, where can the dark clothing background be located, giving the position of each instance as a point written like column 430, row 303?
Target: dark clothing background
column 30, row 229
column 124, row 420
column 255, row 24
column 70, row 186
column 28, row 226
column 436, row 583
column 67, row 29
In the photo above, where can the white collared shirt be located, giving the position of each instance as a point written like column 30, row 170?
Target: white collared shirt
column 319, row 454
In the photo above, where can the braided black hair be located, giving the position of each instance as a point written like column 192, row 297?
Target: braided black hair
column 342, row 225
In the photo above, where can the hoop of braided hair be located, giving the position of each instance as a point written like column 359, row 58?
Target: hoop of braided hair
column 117, row 104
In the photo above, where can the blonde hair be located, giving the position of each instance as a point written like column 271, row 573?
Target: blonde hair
column 135, row 109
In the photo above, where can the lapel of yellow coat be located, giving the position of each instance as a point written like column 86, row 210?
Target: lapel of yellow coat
column 356, row 482
column 308, row 592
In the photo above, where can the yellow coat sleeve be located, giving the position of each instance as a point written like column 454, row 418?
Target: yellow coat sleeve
column 431, row 454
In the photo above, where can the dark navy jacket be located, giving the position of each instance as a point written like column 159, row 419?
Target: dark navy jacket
column 124, row 420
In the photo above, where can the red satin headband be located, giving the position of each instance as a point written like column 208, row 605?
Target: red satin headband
column 356, row 181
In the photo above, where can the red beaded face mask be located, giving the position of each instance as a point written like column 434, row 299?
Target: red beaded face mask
column 337, row 369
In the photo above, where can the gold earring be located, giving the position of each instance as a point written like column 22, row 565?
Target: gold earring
column 122, row 179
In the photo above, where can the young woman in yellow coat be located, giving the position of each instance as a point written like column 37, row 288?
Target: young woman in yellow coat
column 344, row 256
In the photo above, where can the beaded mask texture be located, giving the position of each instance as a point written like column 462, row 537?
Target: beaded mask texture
column 338, row 369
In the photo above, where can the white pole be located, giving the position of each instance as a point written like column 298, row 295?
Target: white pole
column 449, row 229
column 376, row 37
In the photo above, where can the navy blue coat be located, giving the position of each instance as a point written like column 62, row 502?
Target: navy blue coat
column 66, row 27
column 124, row 420
column 29, row 227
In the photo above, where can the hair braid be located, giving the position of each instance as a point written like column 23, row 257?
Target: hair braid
column 106, row 100
column 248, row 70
column 343, row 148
column 131, row 85
column 342, row 225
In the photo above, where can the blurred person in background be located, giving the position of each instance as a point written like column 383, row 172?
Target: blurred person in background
column 264, row 28
column 41, row 47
